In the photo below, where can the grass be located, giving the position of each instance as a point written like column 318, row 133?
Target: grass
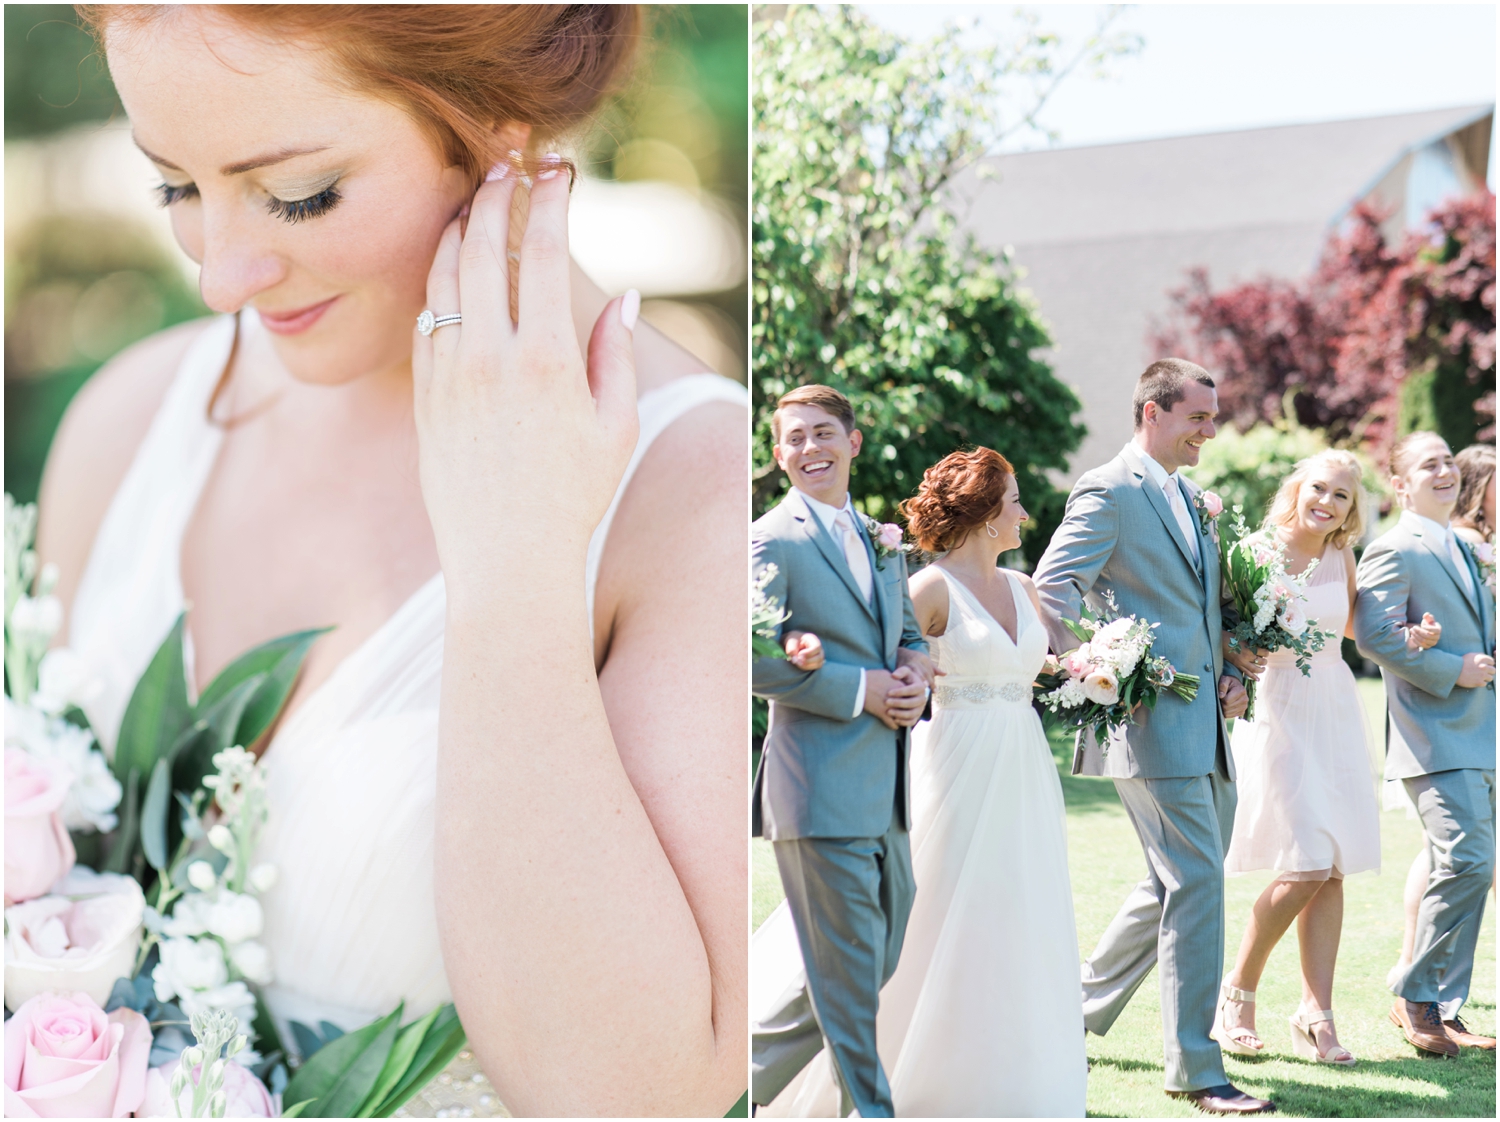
column 1391, row 1080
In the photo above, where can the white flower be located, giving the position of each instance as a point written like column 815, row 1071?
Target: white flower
column 234, row 916
column 1070, row 695
column 188, row 965
column 263, row 878
column 200, row 875
column 1291, row 618
column 81, row 938
column 94, row 792
column 221, row 837
column 35, row 619
column 1102, row 688
column 189, row 918
column 232, row 996
column 1115, row 630
column 64, row 679
column 252, row 960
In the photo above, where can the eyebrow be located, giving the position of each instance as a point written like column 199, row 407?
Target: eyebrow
column 267, row 160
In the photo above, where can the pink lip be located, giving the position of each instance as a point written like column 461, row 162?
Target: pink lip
column 293, row 323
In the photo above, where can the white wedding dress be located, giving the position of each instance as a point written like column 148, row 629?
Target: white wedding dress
column 984, row 1015
column 352, row 774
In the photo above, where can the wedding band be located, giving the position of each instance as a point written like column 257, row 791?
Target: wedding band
column 427, row 323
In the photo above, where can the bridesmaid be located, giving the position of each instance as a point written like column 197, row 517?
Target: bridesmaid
column 1307, row 805
column 1473, row 522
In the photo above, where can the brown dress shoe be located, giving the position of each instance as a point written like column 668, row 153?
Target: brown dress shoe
column 1225, row 1099
column 1461, row 1036
column 1423, row 1026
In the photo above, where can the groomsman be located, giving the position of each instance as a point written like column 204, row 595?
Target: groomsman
column 831, row 790
column 1134, row 532
column 1415, row 580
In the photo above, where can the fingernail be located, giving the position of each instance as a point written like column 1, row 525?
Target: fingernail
column 499, row 171
column 555, row 161
column 630, row 309
column 550, row 173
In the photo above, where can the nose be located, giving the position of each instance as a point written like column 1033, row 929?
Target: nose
column 236, row 262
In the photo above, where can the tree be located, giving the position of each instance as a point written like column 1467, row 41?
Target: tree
column 1380, row 340
column 861, row 280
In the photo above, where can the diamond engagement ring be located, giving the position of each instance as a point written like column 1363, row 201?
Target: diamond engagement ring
column 427, row 323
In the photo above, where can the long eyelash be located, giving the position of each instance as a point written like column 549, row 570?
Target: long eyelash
column 310, row 207
column 166, row 194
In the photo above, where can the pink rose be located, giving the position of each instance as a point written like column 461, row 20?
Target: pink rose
column 890, row 536
column 1484, row 553
column 1078, row 663
column 247, row 1095
column 1213, row 504
column 37, row 848
column 82, row 937
column 64, row 1058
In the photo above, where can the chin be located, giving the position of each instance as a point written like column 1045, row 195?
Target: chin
column 335, row 359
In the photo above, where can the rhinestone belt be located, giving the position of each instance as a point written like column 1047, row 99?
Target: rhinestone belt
column 982, row 693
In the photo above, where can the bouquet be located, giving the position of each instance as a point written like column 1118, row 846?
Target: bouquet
column 1098, row 685
column 133, row 966
column 1265, row 600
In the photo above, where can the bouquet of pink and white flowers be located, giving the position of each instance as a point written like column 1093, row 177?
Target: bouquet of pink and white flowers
column 1099, row 684
column 1266, row 602
column 133, row 961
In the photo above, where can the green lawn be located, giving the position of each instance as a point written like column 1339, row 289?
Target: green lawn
column 1390, row 1081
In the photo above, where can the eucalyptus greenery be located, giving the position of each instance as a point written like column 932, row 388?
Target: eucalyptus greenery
column 861, row 278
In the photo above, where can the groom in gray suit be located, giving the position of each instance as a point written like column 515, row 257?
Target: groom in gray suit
column 831, row 789
column 1440, row 728
column 1133, row 530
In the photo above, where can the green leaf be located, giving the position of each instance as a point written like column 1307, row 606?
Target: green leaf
column 154, row 815
column 297, row 1111
column 158, row 710
column 278, row 662
column 129, row 828
column 212, row 732
column 443, row 1041
column 339, row 1076
column 405, row 1050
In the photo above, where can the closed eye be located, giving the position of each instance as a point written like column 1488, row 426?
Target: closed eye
column 167, row 193
column 314, row 206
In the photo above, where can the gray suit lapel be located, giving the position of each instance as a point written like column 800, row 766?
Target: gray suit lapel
column 876, row 573
column 832, row 552
column 1159, row 502
column 1436, row 548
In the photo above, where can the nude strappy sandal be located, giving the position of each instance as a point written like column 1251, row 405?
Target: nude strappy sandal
column 1236, row 1039
column 1305, row 1045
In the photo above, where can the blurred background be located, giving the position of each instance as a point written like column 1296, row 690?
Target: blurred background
column 91, row 265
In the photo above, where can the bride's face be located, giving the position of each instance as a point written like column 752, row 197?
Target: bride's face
column 1008, row 520
column 318, row 207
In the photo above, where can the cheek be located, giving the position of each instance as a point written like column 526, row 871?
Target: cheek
column 187, row 228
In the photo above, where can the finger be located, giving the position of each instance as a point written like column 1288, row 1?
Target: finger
column 545, row 284
column 611, row 363
column 484, row 269
column 442, row 298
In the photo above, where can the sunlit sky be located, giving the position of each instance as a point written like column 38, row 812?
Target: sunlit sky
column 1213, row 67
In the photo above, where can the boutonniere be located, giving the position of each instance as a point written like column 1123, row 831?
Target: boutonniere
column 1484, row 561
column 887, row 539
column 1210, row 506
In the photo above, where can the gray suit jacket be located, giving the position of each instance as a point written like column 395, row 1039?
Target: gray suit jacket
column 1430, row 725
column 825, row 773
column 1119, row 536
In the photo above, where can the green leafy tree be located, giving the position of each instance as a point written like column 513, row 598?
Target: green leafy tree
column 861, row 279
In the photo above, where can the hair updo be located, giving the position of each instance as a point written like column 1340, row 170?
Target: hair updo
column 460, row 70
column 958, row 493
column 1476, row 467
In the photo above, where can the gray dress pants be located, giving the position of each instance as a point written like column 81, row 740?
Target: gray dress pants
column 1457, row 809
column 1174, row 916
column 850, row 899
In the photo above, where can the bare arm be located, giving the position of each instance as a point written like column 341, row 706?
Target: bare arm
column 95, row 444
column 1036, row 602
column 929, row 598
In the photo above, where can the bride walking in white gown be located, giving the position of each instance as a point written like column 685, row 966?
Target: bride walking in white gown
column 983, row 1016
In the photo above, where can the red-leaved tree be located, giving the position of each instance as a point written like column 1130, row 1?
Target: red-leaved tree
column 1339, row 346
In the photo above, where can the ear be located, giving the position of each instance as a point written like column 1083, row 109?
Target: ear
column 514, row 135
column 856, row 439
column 776, row 455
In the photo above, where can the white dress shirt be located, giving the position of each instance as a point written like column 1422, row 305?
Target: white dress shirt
column 1171, row 489
column 827, row 515
column 1440, row 532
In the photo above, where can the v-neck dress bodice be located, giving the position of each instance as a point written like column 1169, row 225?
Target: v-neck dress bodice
column 352, row 774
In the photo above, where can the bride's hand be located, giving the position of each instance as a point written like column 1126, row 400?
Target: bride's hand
column 521, row 444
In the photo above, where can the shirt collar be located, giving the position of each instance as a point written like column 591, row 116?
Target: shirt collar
column 1154, row 469
column 1425, row 525
column 826, row 514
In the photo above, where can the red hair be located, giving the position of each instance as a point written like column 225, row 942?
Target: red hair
column 958, row 493
column 460, row 70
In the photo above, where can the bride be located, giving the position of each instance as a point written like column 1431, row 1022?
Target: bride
column 495, row 783
column 983, row 1017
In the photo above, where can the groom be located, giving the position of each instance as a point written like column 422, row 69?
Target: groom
column 831, row 789
column 1133, row 530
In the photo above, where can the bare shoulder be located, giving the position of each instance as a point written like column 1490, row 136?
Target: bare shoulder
column 96, row 441
column 924, row 580
column 1027, row 584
